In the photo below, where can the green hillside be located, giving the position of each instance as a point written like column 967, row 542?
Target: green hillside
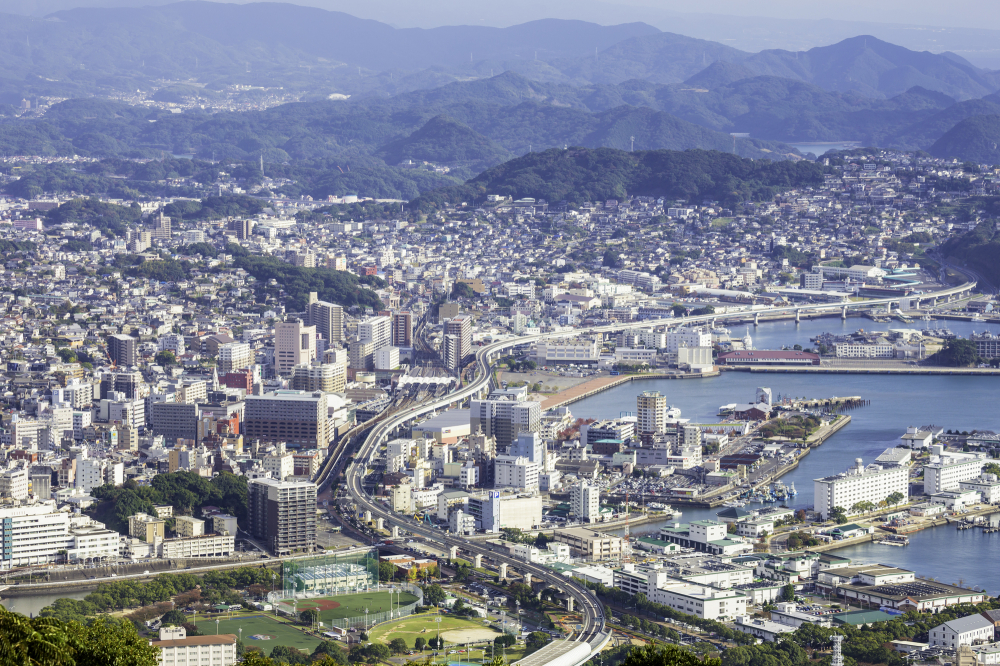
column 974, row 139
column 447, row 141
column 579, row 174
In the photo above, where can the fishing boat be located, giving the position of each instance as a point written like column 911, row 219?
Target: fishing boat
column 792, row 492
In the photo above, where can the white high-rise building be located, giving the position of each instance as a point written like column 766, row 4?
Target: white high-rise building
column 947, row 470
column 377, row 330
column 171, row 342
column 651, row 412
column 585, row 502
column 859, row 484
column 688, row 337
column 235, row 356
column 516, row 472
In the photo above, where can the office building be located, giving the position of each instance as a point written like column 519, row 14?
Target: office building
column 295, row 417
column 504, row 419
column 14, row 484
column 294, row 344
column 326, row 377
column 40, row 534
column 590, row 545
column 175, row 420
column 126, row 384
column 387, row 358
column 282, row 515
column 122, row 350
column 328, row 318
column 280, row 465
column 235, row 356
column 376, row 330
column 211, row 545
column 41, row 483
column 402, row 329
column 531, row 446
column 516, row 472
column 688, row 337
column 494, row 511
column 620, row 430
column 947, row 470
column 585, row 502
column 177, row 649
column 860, row 484
column 461, row 328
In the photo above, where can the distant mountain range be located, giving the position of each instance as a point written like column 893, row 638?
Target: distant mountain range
column 469, row 96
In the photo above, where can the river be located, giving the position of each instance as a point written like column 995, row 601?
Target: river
column 31, row 605
column 959, row 402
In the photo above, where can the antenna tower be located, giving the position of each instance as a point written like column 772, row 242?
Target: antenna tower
column 837, row 659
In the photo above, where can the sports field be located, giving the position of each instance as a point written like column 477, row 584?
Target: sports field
column 351, row 605
column 453, row 629
column 262, row 625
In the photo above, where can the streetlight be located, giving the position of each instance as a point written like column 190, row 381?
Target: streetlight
column 216, row 626
column 437, row 643
column 195, row 618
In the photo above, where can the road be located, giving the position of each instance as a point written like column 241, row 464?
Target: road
column 594, row 632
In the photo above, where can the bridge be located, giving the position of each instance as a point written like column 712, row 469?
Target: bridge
column 594, row 634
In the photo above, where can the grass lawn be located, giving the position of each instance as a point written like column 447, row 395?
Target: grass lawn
column 352, row 605
column 453, row 629
column 281, row 633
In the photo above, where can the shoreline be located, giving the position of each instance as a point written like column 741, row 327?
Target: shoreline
column 820, row 370
column 594, row 386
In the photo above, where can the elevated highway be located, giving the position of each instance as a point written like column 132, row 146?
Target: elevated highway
column 594, row 633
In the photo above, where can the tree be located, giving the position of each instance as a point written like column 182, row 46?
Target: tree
column 165, row 358
column 611, row 258
column 667, row 655
column 839, row 515
column 174, row 617
column 504, row 640
column 419, row 643
column 896, row 497
column 398, row 646
column 958, row 353
column 462, row 290
column 309, row 616
column 289, row 655
column 788, row 593
column 433, row 595
column 330, row 650
column 536, row 641
column 386, row 570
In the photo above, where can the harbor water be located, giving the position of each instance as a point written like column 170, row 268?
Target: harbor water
column 952, row 402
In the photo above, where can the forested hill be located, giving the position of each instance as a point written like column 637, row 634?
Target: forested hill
column 578, row 174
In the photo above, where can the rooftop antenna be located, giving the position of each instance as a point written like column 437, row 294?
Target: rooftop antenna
column 632, row 150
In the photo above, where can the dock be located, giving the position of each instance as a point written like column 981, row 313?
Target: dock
column 599, row 384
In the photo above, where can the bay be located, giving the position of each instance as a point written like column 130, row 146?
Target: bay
column 952, row 402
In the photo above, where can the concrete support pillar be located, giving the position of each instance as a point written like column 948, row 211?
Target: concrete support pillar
column 380, row 523
column 539, row 595
column 756, row 319
column 888, row 307
column 713, row 323
column 477, row 562
column 395, row 531
column 503, row 571
column 569, row 604
column 453, row 553
column 798, row 317
column 527, row 579
column 843, row 313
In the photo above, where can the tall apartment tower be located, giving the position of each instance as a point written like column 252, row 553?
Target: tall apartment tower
column 294, row 344
column 651, row 412
column 585, row 502
column 402, row 329
column 241, row 227
column 122, row 350
column 461, row 328
column 160, row 226
column 504, row 419
column 328, row 318
column 377, row 330
column 283, row 515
